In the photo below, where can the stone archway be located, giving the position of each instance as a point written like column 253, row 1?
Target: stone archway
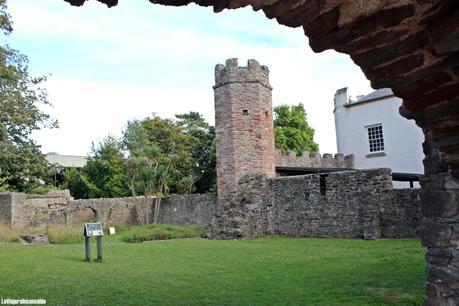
column 411, row 46
column 84, row 215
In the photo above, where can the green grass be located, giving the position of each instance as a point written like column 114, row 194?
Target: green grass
column 270, row 271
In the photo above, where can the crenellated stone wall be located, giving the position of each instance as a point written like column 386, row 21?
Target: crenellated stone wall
column 313, row 160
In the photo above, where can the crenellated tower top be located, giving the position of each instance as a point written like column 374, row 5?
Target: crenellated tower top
column 233, row 73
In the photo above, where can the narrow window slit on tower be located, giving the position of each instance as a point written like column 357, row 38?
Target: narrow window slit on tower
column 245, row 112
column 323, row 184
column 266, row 113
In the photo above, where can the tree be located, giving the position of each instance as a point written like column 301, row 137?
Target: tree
column 186, row 185
column 204, row 173
column 79, row 185
column 103, row 176
column 170, row 140
column 105, row 169
column 148, row 174
column 3, row 184
column 6, row 24
column 292, row 131
column 21, row 98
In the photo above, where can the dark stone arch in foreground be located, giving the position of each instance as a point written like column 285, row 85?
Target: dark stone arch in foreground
column 411, row 46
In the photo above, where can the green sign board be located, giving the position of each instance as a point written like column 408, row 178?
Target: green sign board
column 93, row 229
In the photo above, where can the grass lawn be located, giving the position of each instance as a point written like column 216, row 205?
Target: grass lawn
column 270, row 271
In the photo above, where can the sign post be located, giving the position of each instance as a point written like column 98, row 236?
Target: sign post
column 93, row 230
column 88, row 249
column 99, row 248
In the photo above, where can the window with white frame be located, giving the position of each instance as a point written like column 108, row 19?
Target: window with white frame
column 375, row 138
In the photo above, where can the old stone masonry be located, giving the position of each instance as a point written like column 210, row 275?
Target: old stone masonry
column 253, row 201
column 253, row 198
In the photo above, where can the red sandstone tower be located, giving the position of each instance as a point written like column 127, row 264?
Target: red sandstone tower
column 244, row 124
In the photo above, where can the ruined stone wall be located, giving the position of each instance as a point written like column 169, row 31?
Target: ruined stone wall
column 193, row 209
column 333, row 205
column 401, row 216
column 59, row 208
column 244, row 124
column 306, row 159
column 244, row 216
column 5, row 208
column 356, row 204
column 39, row 210
column 109, row 211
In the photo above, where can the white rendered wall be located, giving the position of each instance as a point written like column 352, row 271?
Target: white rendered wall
column 402, row 138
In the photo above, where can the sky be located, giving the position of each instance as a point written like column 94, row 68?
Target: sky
column 108, row 66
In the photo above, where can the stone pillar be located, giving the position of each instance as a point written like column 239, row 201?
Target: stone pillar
column 18, row 214
column 372, row 222
column 440, row 200
column 244, row 137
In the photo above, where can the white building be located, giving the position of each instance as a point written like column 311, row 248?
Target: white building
column 372, row 129
column 66, row 161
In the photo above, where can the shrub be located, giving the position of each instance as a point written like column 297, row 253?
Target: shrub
column 160, row 232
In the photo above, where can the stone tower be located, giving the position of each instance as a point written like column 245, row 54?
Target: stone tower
column 244, row 124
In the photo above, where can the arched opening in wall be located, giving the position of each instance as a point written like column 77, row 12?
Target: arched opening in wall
column 85, row 215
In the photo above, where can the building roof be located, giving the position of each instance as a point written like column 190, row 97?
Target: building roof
column 66, row 160
column 376, row 95
column 289, row 171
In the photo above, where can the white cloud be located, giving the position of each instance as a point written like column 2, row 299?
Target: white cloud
column 163, row 62
column 88, row 111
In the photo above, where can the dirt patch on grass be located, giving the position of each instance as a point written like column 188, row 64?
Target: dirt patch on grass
column 394, row 297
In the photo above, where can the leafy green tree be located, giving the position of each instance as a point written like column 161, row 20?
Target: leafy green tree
column 105, row 169
column 204, row 174
column 3, row 184
column 79, row 185
column 6, row 25
column 148, row 174
column 186, row 185
column 21, row 99
column 292, row 131
column 103, row 176
column 170, row 140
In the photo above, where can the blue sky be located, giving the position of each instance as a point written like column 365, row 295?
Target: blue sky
column 108, row 66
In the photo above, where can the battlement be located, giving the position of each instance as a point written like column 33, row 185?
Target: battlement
column 233, row 73
column 314, row 160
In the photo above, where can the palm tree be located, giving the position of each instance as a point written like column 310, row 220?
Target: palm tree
column 142, row 168
column 162, row 176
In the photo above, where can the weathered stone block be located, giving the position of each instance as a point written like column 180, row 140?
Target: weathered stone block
column 375, row 57
column 440, row 203
column 35, row 239
column 322, row 24
column 434, row 235
column 442, row 274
